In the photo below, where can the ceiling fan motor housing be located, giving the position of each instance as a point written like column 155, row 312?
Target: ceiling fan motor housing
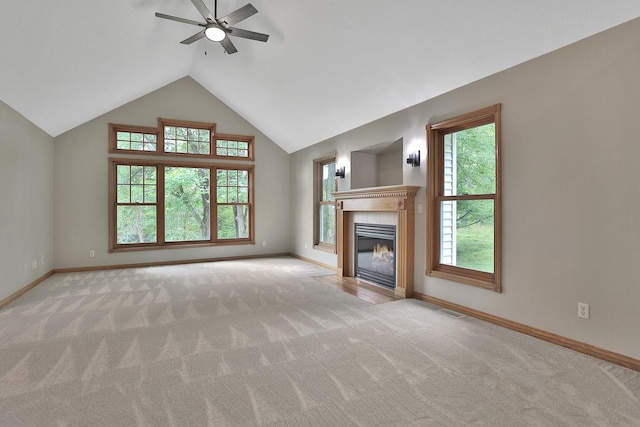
column 216, row 29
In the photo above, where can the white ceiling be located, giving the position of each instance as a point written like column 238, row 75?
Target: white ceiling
column 329, row 66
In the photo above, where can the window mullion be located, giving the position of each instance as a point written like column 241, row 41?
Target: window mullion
column 160, row 206
column 213, row 204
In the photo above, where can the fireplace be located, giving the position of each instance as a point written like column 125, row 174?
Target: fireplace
column 395, row 199
column 374, row 251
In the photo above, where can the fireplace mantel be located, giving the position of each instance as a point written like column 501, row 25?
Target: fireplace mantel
column 393, row 198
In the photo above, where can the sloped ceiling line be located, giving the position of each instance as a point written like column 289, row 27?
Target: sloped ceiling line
column 328, row 66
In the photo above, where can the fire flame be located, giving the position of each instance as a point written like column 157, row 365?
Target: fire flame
column 381, row 251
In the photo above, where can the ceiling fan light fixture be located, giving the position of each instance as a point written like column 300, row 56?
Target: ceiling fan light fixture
column 215, row 34
column 217, row 29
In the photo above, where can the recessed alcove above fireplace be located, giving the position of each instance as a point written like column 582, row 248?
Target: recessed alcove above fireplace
column 391, row 205
column 377, row 165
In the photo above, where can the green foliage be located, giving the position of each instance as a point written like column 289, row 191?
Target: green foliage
column 186, row 140
column 136, row 224
column 476, row 173
column 233, row 221
column 476, row 160
column 328, row 223
column 329, row 181
column 187, row 211
column 187, row 204
column 328, row 212
column 232, row 148
column 136, row 184
column 474, row 249
column 232, row 198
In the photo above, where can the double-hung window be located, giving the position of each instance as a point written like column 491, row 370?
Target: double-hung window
column 169, row 202
column 464, row 199
column 324, row 214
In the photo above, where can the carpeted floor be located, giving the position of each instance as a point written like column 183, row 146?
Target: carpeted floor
column 262, row 342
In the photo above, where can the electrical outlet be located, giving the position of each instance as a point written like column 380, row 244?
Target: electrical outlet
column 92, row 254
column 306, row 245
column 42, row 260
column 34, row 264
column 583, row 310
column 264, row 243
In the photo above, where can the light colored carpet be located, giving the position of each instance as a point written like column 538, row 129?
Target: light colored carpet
column 262, row 342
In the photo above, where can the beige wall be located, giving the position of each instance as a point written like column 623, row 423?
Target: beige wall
column 389, row 166
column 571, row 188
column 81, row 187
column 365, row 165
column 26, row 201
column 570, row 178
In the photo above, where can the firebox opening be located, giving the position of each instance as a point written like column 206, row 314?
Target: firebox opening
column 375, row 253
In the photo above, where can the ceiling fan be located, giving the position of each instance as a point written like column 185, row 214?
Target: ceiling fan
column 218, row 29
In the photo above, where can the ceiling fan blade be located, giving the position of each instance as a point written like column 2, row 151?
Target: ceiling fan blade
column 238, row 32
column 193, row 38
column 228, row 45
column 204, row 10
column 239, row 15
column 183, row 20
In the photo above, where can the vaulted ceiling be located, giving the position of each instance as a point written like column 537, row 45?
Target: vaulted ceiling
column 329, row 66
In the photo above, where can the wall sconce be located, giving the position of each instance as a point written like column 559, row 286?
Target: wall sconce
column 414, row 158
column 340, row 172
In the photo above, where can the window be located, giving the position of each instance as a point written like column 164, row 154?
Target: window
column 234, row 146
column 158, row 204
column 136, row 203
column 186, row 138
column 324, row 214
column 187, row 212
column 172, row 203
column 179, row 138
column 132, row 138
column 464, row 199
column 232, row 203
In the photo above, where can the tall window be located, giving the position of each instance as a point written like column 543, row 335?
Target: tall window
column 464, row 211
column 325, row 183
column 161, row 203
column 232, row 203
column 136, row 203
